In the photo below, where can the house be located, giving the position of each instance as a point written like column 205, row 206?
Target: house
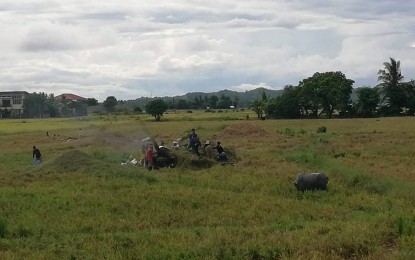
column 68, row 96
column 11, row 103
column 71, row 105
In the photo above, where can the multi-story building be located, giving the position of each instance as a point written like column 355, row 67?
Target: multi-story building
column 11, row 103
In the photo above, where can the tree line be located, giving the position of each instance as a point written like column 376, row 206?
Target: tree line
column 204, row 102
column 40, row 105
column 328, row 94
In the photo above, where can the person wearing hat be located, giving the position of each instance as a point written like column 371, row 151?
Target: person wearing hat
column 208, row 149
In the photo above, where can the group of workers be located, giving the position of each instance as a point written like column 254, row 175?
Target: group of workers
column 149, row 150
column 194, row 144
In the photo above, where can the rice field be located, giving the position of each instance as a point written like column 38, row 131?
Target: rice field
column 81, row 203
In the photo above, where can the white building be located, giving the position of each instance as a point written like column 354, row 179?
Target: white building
column 11, row 103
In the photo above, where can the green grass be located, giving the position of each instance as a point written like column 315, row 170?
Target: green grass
column 80, row 203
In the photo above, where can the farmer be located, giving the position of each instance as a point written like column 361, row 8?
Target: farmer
column 194, row 142
column 36, row 155
column 222, row 157
column 207, row 147
column 192, row 138
column 162, row 150
column 149, row 157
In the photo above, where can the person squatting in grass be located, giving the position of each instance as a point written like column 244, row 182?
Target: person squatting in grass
column 36, row 155
column 222, row 157
column 149, row 157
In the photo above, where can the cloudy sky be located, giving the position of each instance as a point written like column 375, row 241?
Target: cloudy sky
column 129, row 49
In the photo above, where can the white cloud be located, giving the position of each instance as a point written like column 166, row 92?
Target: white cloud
column 246, row 87
column 129, row 49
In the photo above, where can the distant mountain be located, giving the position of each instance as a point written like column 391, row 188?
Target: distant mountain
column 244, row 98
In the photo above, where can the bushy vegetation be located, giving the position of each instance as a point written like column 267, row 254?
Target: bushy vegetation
column 328, row 94
column 81, row 203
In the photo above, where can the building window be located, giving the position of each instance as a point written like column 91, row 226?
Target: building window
column 6, row 103
column 17, row 102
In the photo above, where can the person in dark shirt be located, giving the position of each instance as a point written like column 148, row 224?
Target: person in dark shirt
column 192, row 138
column 36, row 155
column 222, row 157
column 194, row 142
column 218, row 147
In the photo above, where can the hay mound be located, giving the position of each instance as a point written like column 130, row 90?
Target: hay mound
column 187, row 159
column 242, row 130
column 71, row 161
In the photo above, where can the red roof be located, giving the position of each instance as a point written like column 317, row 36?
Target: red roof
column 68, row 96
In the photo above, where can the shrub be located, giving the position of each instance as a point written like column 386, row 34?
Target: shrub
column 322, row 129
column 289, row 132
column 302, row 132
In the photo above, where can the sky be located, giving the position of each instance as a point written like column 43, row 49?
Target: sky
column 130, row 49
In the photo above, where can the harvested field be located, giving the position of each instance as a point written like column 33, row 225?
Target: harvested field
column 245, row 130
column 82, row 203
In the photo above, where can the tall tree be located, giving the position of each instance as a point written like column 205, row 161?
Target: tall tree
column 394, row 95
column 329, row 91
column 91, row 102
column 235, row 102
column 36, row 105
column 182, row 104
column 110, row 103
column 410, row 103
column 368, row 100
column 213, row 101
column 224, row 102
column 287, row 105
column 198, row 101
column 260, row 105
column 156, row 108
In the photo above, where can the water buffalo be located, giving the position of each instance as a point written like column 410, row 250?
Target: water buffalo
column 311, row 181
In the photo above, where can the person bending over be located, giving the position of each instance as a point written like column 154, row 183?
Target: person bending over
column 36, row 155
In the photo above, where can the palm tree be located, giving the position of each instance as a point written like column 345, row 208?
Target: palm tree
column 393, row 92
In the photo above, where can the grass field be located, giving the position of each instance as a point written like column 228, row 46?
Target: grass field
column 80, row 203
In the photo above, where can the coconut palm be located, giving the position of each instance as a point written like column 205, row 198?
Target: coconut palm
column 394, row 96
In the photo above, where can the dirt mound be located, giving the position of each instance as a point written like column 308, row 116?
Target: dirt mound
column 71, row 161
column 242, row 130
